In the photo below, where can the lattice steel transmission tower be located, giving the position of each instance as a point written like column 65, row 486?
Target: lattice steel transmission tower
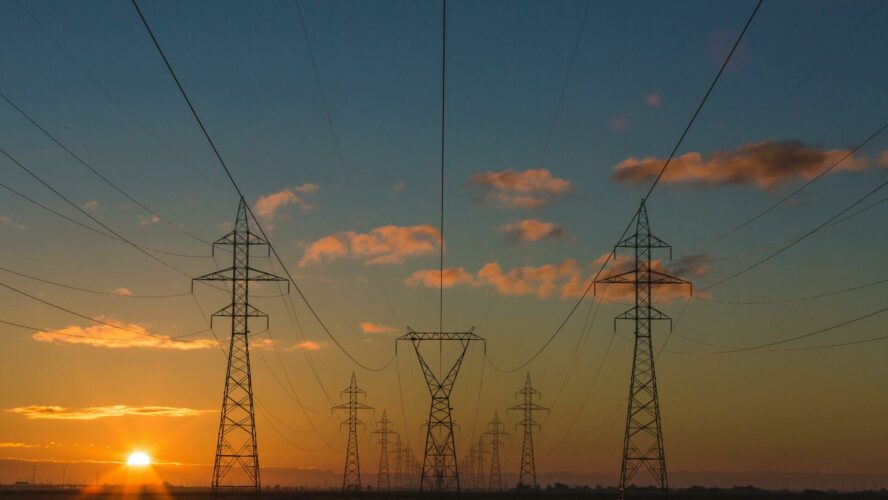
column 527, row 474
column 383, row 428
column 440, row 471
column 643, row 443
column 495, row 431
column 351, row 476
column 399, row 470
column 236, row 444
column 479, row 473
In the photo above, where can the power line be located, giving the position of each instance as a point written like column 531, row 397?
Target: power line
column 88, row 318
column 796, row 299
column 819, row 331
column 653, row 185
column 96, row 292
column 90, row 216
column 59, row 45
column 796, row 241
column 240, row 193
column 153, row 213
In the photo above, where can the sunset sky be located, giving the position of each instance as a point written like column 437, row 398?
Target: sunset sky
column 528, row 218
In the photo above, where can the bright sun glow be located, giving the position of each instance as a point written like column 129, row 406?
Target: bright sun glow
column 138, row 459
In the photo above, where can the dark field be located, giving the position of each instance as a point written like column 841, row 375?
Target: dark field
column 554, row 493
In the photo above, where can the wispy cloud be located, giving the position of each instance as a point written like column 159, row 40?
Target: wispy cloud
column 527, row 190
column 147, row 220
column 46, row 412
column 307, row 345
column 113, row 337
column 431, row 278
column 7, row 444
column 766, row 165
column 383, row 245
column 653, row 100
column 10, row 222
column 90, row 205
column 529, row 230
column 375, row 328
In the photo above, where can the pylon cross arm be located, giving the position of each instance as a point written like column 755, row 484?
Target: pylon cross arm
column 249, row 237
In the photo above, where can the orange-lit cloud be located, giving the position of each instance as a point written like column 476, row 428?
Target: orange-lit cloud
column 123, row 292
column 529, row 230
column 541, row 281
column 111, row 337
column 525, row 190
column 375, row 328
column 307, row 345
column 431, row 278
column 45, row 412
column 766, row 164
column 267, row 205
column 91, row 205
column 145, row 220
column 883, row 158
column 7, row 444
column 384, row 245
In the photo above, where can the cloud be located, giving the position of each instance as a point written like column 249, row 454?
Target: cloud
column 267, row 205
column 9, row 222
column 113, row 337
column 541, row 281
column 7, row 444
column 525, row 190
column 529, row 230
column 653, row 100
column 766, row 164
column 44, row 412
column 883, row 158
column 262, row 345
column 431, row 278
column 375, row 328
column 91, row 205
column 145, row 220
column 307, row 345
column 123, row 292
column 697, row 265
column 383, row 245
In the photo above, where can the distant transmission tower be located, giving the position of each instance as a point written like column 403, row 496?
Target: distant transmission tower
column 527, row 474
column 495, row 431
column 399, row 471
column 643, row 443
column 479, row 474
column 236, row 444
column 439, row 469
column 351, row 476
column 383, row 428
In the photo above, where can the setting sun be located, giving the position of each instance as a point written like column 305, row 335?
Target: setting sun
column 138, row 459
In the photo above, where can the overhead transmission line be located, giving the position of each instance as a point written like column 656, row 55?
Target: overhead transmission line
column 93, row 337
column 92, row 291
column 241, row 194
column 84, row 316
column 550, row 131
column 104, row 90
column 612, row 253
column 75, row 156
column 339, row 156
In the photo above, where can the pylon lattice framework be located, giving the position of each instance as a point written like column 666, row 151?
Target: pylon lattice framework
column 527, row 473
column 643, row 442
column 440, row 471
column 383, row 428
column 236, row 443
column 495, row 431
column 351, row 476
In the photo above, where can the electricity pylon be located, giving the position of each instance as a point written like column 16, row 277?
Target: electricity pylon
column 527, row 474
column 495, row 432
column 479, row 474
column 351, row 476
column 383, row 428
column 643, row 443
column 399, row 471
column 440, row 471
column 236, row 442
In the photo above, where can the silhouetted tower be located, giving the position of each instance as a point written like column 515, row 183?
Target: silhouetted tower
column 643, row 443
column 383, row 428
column 440, row 471
column 236, row 444
column 495, row 431
column 399, row 470
column 527, row 474
column 351, row 476
column 479, row 474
